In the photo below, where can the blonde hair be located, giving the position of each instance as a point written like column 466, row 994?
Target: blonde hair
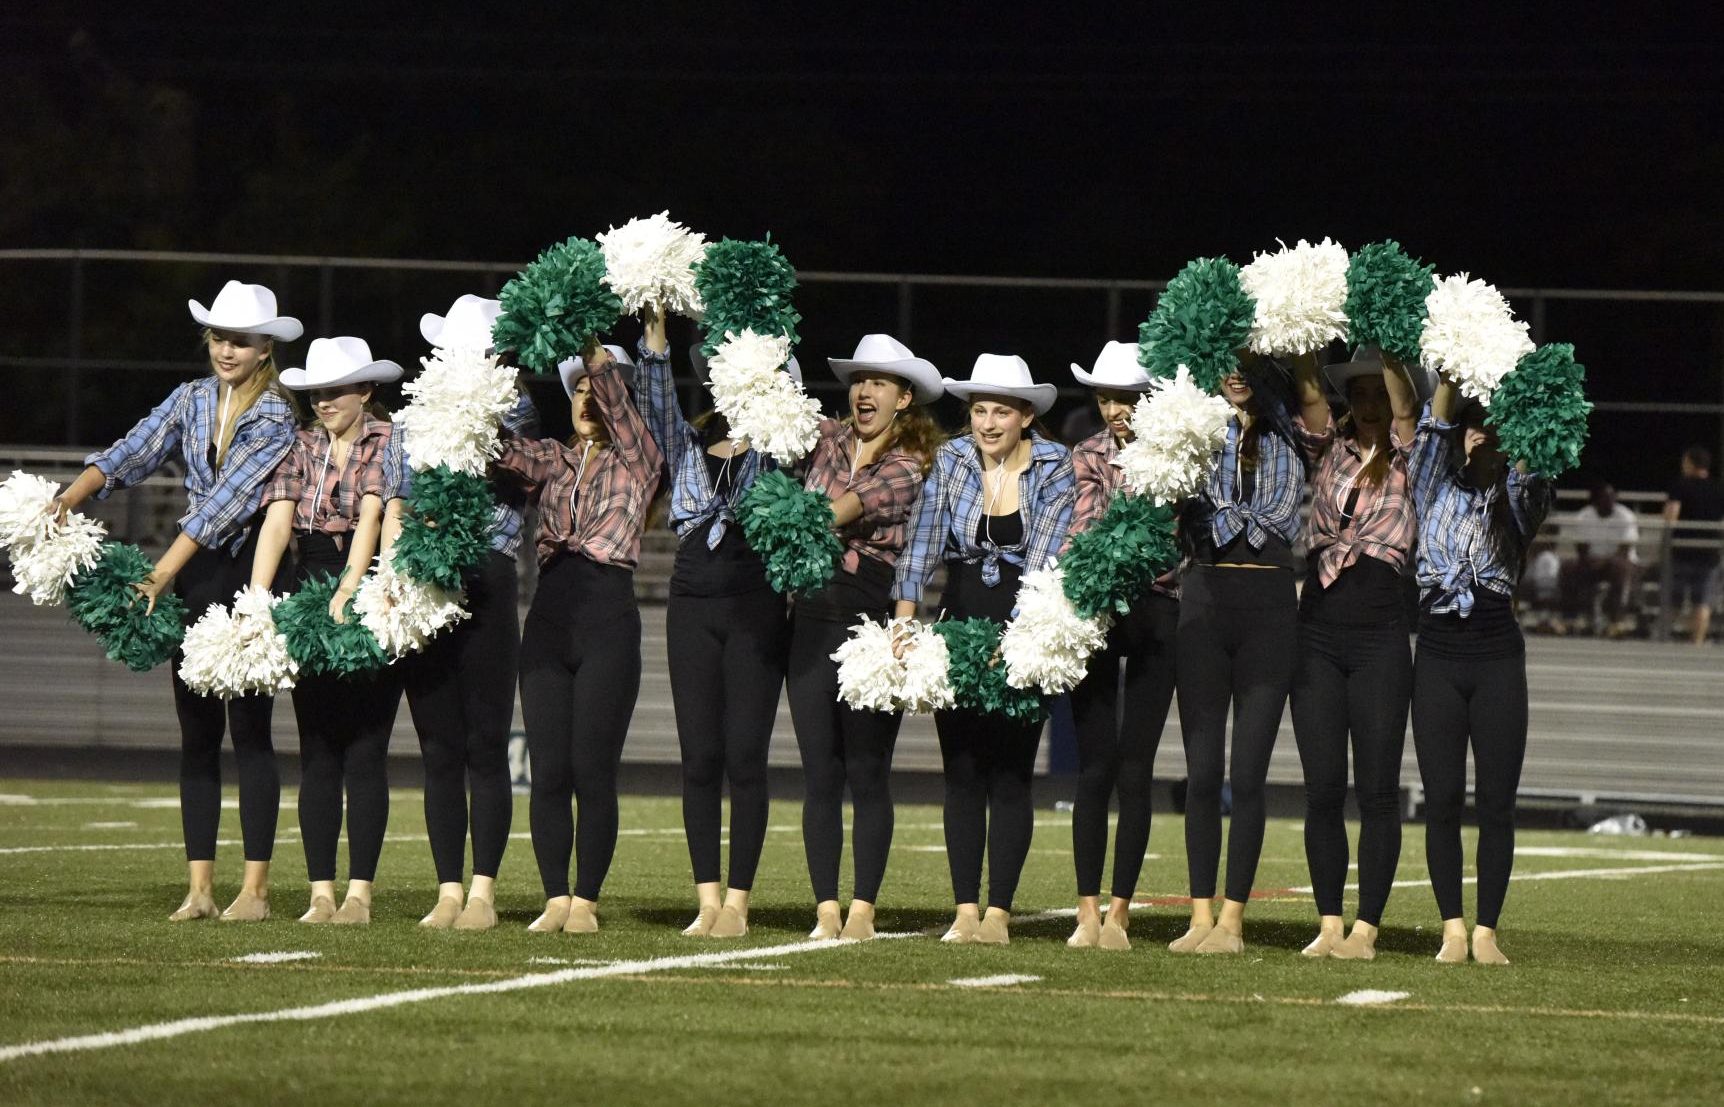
column 264, row 379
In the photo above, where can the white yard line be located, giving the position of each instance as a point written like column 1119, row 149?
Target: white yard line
column 1004, row 980
column 277, row 958
column 1566, row 874
column 154, row 1032
column 1368, row 997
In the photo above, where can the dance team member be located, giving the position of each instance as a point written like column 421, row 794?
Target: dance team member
column 1238, row 637
column 1478, row 512
column 461, row 689
column 228, row 430
column 328, row 496
column 581, row 647
column 727, row 637
column 1118, row 728
column 996, row 505
column 1354, row 674
column 871, row 466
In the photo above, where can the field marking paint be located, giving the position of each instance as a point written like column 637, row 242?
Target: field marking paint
column 1004, row 980
column 125, row 825
column 1598, row 854
column 1566, row 874
column 1368, row 997
column 235, row 965
column 155, row 1032
column 277, row 958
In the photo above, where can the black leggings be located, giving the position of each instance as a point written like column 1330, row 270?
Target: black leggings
column 580, row 675
column 839, row 744
column 1117, row 736
column 212, row 577
column 461, row 692
column 989, row 764
column 1352, row 679
column 1238, row 631
column 344, row 729
column 726, row 656
column 1484, row 700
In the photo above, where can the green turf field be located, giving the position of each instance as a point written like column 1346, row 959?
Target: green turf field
column 1617, row 993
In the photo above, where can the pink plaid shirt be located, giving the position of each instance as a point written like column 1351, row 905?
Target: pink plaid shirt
column 1384, row 523
column 328, row 498
column 1098, row 478
column 887, row 488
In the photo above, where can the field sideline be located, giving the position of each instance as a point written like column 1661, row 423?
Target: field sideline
column 1617, row 993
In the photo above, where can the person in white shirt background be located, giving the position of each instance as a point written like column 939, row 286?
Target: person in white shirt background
column 1606, row 535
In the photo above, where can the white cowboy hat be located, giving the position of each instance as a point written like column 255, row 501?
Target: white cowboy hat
column 574, row 368
column 1368, row 361
column 699, row 359
column 246, row 309
column 881, row 353
column 467, row 325
column 1003, row 375
column 333, row 362
column 1115, row 367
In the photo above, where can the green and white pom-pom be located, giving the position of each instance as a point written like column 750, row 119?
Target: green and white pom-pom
column 926, row 684
column 746, row 286
column 1113, row 561
column 454, row 408
column 238, row 652
column 1300, row 295
column 318, row 644
column 1176, row 428
column 445, row 527
column 1386, row 293
column 26, row 509
column 554, row 306
column 44, row 568
column 104, row 600
column 1471, row 336
column 651, row 261
column 978, row 676
column 790, row 528
column 403, row 613
column 870, row 678
column 1201, row 321
column 1047, row 645
column 761, row 402
column 1540, row 410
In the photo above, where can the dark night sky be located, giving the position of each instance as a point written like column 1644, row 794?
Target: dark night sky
column 1539, row 146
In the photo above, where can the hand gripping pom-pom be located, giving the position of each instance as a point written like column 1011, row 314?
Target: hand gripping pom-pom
column 926, row 686
column 1540, row 411
column 651, row 261
column 1386, row 293
column 763, row 404
column 1047, row 645
column 26, row 509
column 1301, row 296
column 445, row 529
column 1176, row 430
column 238, row 652
column 1112, row 562
column 978, row 675
column 1201, row 321
column 402, row 613
column 319, row 645
column 104, row 600
column 869, row 677
column 554, row 306
column 44, row 568
column 454, row 408
column 791, row 529
column 746, row 286
column 1471, row 336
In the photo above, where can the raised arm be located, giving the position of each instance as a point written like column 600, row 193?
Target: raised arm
column 1403, row 400
column 628, row 431
column 1308, row 393
column 655, row 394
column 1445, row 399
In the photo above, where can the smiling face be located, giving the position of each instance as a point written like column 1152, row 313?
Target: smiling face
column 339, row 409
column 234, row 356
column 1236, row 390
column 999, row 423
column 1116, row 406
column 874, row 399
column 584, row 411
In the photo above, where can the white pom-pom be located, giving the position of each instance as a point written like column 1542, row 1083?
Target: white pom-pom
column 762, row 403
column 26, row 509
column 238, row 652
column 651, row 261
column 1176, row 429
column 1301, row 296
column 454, row 408
column 42, row 569
column 869, row 677
column 1471, row 334
column 926, row 686
column 402, row 613
column 1047, row 645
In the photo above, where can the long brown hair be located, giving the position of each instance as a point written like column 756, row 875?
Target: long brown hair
column 266, row 378
column 1375, row 471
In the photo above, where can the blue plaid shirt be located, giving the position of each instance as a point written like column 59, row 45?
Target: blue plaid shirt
column 1279, row 485
column 508, row 513
column 950, row 509
column 219, row 503
column 694, row 505
column 1458, row 549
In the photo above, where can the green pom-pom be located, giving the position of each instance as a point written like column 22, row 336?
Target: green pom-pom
column 1540, row 410
column 1386, row 293
column 320, row 645
column 1111, row 562
column 791, row 529
column 1201, row 321
column 104, row 600
column 554, row 306
column 977, row 674
column 446, row 527
column 745, row 285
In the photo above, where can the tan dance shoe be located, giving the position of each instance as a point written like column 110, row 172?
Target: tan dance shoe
column 1221, row 940
column 1112, row 936
column 198, row 905
column 581, row 920
column 1190, row 940
column 246, row 908
column 963, row 930
column 730, row 923
column 442, row 916
column 995, row 929
column 322, row 909
column 702, row 924
column 826, row 922
column 479, row 914
column 1086, row 935
column 352, row 912
column 551, row 922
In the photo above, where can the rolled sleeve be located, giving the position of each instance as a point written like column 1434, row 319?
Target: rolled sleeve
column 888, row 491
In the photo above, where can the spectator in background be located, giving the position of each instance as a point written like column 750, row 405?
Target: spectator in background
column 1605, row 538
column 1541, row 588
column 1694, row 498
